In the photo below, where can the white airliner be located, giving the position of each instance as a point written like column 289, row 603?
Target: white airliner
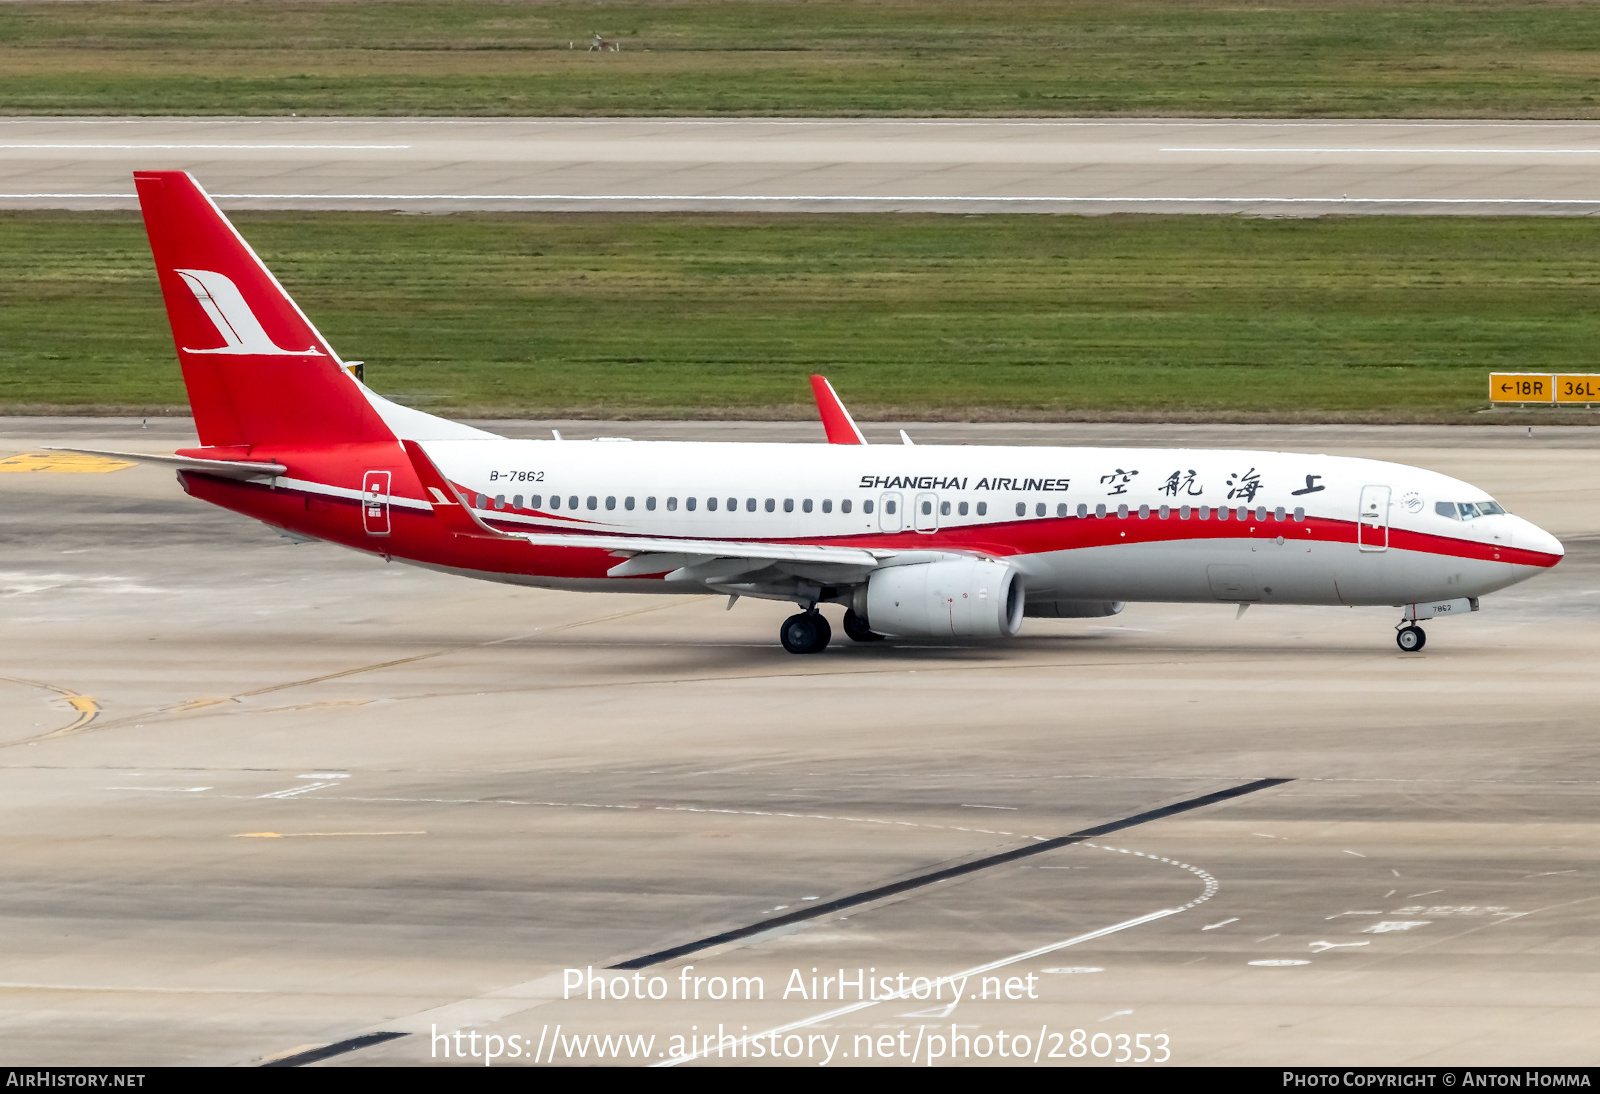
column 912, row 541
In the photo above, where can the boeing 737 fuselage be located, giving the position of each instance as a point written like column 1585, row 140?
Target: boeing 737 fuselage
column 913, row 541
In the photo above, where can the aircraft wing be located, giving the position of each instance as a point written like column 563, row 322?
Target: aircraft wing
column 658, row 554
column 228, row 469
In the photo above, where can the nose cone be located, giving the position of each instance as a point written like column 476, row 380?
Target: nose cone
column 1530, row 537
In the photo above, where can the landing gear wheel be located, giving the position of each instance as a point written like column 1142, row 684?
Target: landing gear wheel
column 856, row 628
column 1410, row 639
column 807, row 632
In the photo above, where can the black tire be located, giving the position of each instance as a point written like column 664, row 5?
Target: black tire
column 1411, row 639
column 855, row 628
column 802, row 634
column 824, row 632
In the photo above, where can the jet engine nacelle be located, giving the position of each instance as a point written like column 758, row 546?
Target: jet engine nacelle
column 1072, row 609
column 965, row 598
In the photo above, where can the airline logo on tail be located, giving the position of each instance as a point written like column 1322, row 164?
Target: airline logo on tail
column 235, row 322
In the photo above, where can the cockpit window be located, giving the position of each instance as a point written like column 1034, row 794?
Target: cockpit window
column 1468, row 510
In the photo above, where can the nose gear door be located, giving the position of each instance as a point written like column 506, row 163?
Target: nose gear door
column 1372, row 520
column 375, row 503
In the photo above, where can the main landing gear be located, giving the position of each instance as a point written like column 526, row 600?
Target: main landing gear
column 1410, row 638
column 807, row 632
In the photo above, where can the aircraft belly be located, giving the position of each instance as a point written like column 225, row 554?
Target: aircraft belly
column 1265, row 571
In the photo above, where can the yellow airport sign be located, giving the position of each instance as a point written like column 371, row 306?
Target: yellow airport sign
column 1521, row 387
column 1584, row 388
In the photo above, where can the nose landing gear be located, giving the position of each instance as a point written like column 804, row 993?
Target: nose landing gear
column 1410, row 638
column 807, row 632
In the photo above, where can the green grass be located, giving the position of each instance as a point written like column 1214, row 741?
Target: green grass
column 1364, row 318
column 1345, row 58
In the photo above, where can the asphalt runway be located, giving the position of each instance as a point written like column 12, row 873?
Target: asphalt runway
column 1271, row 168
column 262, row 797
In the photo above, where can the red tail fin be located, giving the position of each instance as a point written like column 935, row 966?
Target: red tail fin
column 256, row 369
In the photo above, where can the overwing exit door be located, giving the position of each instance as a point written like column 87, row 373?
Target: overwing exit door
column 890, row 519
column 375, row 503
column 925, row 514
column 1372, row 520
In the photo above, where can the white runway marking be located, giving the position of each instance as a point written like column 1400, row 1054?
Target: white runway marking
column 978, row 970
column 904, row 993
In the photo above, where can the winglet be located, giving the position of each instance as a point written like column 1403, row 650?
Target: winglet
column 835, row 418
column 449, row 507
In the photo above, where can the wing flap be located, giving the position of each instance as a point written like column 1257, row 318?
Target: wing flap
column 705, row 548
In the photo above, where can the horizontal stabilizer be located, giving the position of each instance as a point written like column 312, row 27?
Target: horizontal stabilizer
column 227, row 469
column 449, row 508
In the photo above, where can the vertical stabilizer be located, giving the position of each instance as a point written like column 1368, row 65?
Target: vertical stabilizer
column 256, row 369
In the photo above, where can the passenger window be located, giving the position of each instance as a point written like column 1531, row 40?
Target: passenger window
column 594, row 502
column 1446, row 509
column 866, row 506
column 827, row 505
column 788, row 505
column 805, row 506
column 688, row 503
column 572, row 501
column 555, row 501
column 650, row 504
column 1183, row 512
column 844, row 506
column 772, row 506
column 750, row 505
column 944, row 509
column 672, row 505
column 1039, row 509
column 537, row 502
column 711, row 505
column 1243, row 513
column 627, row 503
column 1122, row 512
column 1061, row 510
column 961, row 510
column 516, row 502
column 1022, row 508
column 1100, row 510
column 1144, row 512
column 983, row 508
column 499, row 501
column 481, row 502
column 1165, row 512
column 1205, row 512
column 1083, row 510
column 888, row 507
column 927, row 508
column 1278, row 513
column 1261, row 512
column 611, row 503
column 1222, row 514
column 1299, row 513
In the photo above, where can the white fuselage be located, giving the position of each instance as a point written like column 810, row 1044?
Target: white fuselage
column 1079, row 524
